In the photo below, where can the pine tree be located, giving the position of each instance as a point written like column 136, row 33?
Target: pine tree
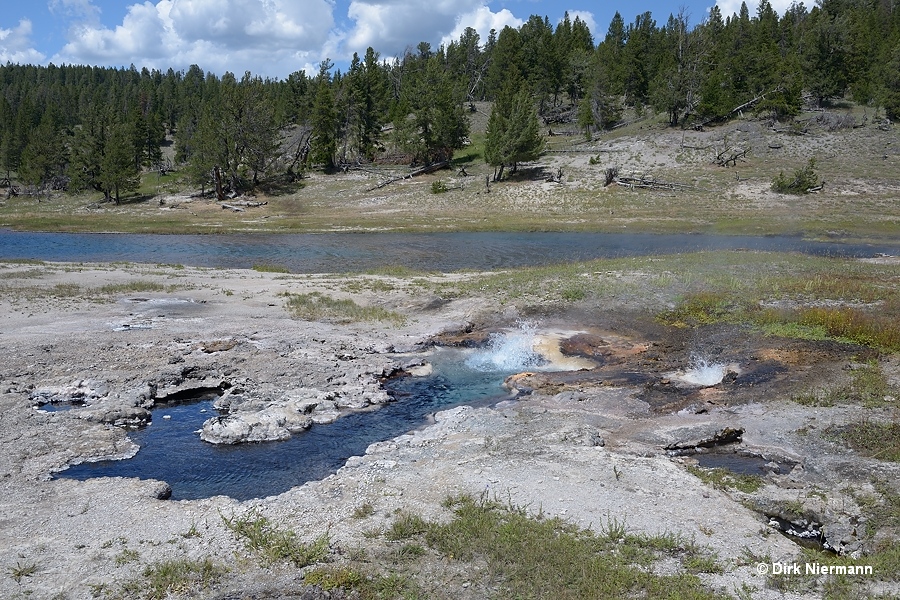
column 513, row 132
column 88, row 145
column 324, row 121
column 119, row 173
column 44, row 157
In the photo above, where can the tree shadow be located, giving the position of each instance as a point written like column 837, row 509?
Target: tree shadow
column 282, row 185
column 134, row 199
column 529, row 173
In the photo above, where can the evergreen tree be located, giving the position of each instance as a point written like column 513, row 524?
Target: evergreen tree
column 513, row 132
column 368, row 88
column 118, row 172
column 890, row 89
column 44, row 157
column 324, row 121
column 88, row 144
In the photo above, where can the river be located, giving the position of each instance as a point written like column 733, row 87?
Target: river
column 359, row 252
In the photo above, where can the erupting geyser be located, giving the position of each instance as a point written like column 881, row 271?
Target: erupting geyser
column 704, row 373
column 508, row 352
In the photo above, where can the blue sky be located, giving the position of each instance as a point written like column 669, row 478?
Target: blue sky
column 274, row 38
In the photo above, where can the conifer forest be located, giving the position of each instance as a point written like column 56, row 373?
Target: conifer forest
column 75, row 128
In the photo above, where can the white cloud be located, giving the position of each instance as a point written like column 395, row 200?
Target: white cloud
column 82, row 10
column 483, row 20
column 267, row 37
column 390, row 26
column 16, row 46
column 588, row 19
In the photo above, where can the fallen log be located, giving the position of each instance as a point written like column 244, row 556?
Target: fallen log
column 644, row 182
column 246, row 204
column 232, row 207
column 420, row 171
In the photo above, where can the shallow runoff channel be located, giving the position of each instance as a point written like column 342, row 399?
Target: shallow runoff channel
column 171, row 449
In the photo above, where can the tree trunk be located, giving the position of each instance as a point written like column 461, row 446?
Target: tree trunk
column 217, row 175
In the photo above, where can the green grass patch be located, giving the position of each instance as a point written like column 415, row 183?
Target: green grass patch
column 406, row 526
column 133, row 287
column 874, row 439
column 724, row 479
column 367, row 587
column 27, row 274
column 270, row 268
column 273, row 544
column 126, row 556
column 868, row 387
column 316, row 306
column 22, row 261
column 881, row 509
column 174, row 577
column 534, row 557
column 885, row 567
column 703, row 308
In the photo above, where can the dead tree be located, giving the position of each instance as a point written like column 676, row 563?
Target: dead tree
column 421, row 171
column 730, row 156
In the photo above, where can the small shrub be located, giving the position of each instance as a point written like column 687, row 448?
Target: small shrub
column 439, row 187
column 801, row 182
column 836, row 121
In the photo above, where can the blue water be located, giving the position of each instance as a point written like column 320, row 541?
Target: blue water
column 353, row 252
column 171, row 451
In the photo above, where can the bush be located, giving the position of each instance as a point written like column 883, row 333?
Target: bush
column 800, row 183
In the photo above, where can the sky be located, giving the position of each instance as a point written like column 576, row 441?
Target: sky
column 274, row 38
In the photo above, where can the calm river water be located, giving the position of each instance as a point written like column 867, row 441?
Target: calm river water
column 352, row 252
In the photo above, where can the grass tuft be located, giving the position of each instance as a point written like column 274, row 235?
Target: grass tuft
column 22, row 570
column 167, row 578
column 273, row 544
column 270, row 268
column 316, row 306
column 534, row 557
column 874, row 439
column 724, row 479
column 366, row 587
